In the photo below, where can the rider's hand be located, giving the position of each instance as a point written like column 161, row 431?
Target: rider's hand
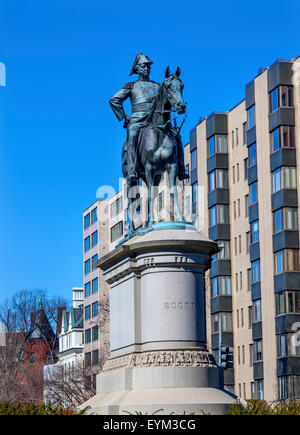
column 126, row 121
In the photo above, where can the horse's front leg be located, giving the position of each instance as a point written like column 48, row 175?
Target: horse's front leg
column 172, row 173
column 151, row 193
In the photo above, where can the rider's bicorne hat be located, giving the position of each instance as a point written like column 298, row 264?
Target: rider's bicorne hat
column 140, row 58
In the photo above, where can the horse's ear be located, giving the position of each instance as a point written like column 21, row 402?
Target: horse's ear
column 167, row 73
column 178, row 72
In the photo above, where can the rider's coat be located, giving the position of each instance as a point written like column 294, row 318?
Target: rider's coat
column 142, row 94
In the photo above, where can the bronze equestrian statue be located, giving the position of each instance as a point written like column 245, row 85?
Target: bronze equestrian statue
column 153, row 145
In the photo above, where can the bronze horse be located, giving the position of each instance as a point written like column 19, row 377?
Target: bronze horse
column 157, row 147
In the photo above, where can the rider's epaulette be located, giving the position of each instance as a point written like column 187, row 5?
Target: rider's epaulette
column 128, row 85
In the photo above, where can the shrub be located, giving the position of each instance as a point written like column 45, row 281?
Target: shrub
column 261, row 407
column 37, row 408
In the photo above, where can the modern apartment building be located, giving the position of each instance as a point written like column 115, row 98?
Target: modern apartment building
column 244, row 194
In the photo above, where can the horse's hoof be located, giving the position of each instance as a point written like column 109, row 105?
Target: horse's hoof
column 179, row 219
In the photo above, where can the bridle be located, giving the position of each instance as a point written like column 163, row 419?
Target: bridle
column 163, row 126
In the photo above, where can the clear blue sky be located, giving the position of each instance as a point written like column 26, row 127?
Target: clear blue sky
column 60, row 141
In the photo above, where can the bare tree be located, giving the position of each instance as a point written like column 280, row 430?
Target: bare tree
column 15, row 366
column 70, row 387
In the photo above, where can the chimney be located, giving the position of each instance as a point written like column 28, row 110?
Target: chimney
column 32, row 317
column 59, row 319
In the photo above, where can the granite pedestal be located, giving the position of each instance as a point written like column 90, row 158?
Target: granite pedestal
column 158, row 353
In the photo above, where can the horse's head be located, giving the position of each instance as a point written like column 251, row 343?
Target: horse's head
column 174, row 87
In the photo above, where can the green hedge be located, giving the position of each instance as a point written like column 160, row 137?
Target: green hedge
column 34, row 408
column 261, row 407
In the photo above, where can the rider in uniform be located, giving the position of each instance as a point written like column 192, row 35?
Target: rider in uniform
column 142, row 94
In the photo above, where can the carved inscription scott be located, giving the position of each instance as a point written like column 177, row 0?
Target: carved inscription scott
column 177, row 305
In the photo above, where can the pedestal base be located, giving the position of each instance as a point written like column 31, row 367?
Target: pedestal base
column 160, row 390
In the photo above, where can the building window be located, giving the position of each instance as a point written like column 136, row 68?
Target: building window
column 218, row 179
column 252, row 155
column 194, row 193
column 87, row 289
column 94, row 260
column 289, row 387
column 87, row 359
column 219, row 214
column 87, row 266
column 254, row 231
column 251, row 117
column 284, row 178
column 253, row 193
column 249, row 272
column 194, row 159
column 246, row 205
column 95, row 334
column 244, row 132
column 87, row 221
column 250, row 311
column 224, row 254
column 285, row 218
column 116, row 231
column 282, row 137
column 116, row 207
column 226, row 322
column 288, row 302
column 287, row 345
column 187, row 206
column 258, row 352
column 95, row 285
column 251, row 355
column 246, row 169
column 95, row 309
column 282, row 96
column 257, row 310
column 217, row 144
column 221, row 286
column 255, row 266
column 286, row 260
column 95, row 238
column 94, row 215
column 87, row 312
column 88, row 335
column 87, row 243
column 95, row 357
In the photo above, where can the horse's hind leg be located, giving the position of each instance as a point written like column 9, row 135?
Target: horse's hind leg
column 151, row 193
column 131, row 196
column 172, row 173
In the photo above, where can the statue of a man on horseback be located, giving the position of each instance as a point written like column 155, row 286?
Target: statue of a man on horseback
column 153, row 144
column 142, row 94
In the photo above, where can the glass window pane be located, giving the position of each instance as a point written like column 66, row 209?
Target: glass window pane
column 252, row 155
column 194, row 159
column 211, row 180
column 214, row 287
column 278, row 221
column 274, row 99
column 211, row 145
column 213, row 215
column 94, row 215
column 276, row 139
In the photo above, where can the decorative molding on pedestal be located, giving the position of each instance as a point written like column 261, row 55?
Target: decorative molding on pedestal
column 193, row 357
